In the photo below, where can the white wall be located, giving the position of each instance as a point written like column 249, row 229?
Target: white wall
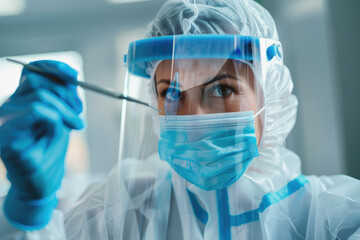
column 306, row 32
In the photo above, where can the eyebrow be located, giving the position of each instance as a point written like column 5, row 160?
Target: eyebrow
column 217, row 78
column 166, row 81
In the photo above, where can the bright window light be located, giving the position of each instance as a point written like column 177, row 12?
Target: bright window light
column 123, row 1
column 11, row 7
column 10, row 73
column 304, row 8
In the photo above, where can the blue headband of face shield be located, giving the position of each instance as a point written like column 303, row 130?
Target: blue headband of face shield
column 237, row 47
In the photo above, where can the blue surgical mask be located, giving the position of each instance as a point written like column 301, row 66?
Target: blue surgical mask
column 211, row 151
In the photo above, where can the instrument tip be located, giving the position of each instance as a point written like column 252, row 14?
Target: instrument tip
column 16, row 61
column 155, row 109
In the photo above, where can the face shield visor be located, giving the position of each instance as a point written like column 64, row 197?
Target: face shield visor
column 209, row 92
column 193, row 75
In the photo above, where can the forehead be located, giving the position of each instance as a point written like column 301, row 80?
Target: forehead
column 194, row 72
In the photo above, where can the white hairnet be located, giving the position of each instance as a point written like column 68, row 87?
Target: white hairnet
column 245, row 17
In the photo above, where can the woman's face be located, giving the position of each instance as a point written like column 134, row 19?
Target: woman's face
column 204, row 86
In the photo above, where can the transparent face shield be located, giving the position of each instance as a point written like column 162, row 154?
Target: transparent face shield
column 188, row 78
column 191, row 75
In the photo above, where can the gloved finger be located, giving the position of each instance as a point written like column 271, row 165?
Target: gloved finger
column 32, row 82
column 16, row 146
column 39, row 171
column 65, row 75
column 17, row 133
column 59, row 69
column 44, row 154
column 69, row 117
column 13, row 140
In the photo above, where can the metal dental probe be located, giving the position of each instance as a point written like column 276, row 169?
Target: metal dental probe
column 87, row 86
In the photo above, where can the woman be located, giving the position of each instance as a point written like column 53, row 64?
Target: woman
column 219, row 169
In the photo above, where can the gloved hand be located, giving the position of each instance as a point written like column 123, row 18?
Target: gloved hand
column 35, row 123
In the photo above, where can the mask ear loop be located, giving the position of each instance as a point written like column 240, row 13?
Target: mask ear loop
column 264, row 107
column 260, row 111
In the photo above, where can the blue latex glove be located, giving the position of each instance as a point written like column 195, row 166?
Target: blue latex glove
column 35, row 123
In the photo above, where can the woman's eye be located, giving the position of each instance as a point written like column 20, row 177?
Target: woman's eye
column 220, row 91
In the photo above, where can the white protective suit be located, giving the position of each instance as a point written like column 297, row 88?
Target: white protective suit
column 144, row 198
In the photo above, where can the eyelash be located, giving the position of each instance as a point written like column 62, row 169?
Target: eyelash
column 214, row 87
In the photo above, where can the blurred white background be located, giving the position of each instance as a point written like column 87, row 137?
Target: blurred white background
column 320, row 40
